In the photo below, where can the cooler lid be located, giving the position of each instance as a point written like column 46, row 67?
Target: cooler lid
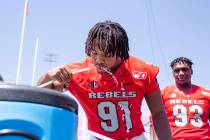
column 22, row 93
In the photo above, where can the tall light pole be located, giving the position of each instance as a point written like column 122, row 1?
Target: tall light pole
column 50, row 58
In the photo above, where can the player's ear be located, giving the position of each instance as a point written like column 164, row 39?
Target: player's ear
column 191, row 71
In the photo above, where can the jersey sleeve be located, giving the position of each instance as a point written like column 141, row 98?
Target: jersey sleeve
column 206, row 92
column 152, row 83
column 79, row 65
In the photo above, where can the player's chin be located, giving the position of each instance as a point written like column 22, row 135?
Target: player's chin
column 100, row 71
column 182, row 82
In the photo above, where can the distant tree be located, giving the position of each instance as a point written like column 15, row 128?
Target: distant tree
column 1, row 78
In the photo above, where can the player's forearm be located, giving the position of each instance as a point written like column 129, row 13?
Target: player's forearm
column 161, row 126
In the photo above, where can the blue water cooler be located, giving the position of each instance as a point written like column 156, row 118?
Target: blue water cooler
column 32, row 113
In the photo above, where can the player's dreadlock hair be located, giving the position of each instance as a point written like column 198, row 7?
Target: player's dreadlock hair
column 115, row 37
column 181, row 60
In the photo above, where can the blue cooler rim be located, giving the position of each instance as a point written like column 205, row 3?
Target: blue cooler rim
column 24, row 93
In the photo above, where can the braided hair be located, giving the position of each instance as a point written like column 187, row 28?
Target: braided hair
column 115, row 37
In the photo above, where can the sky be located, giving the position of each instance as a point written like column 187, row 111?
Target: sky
column 158, row 31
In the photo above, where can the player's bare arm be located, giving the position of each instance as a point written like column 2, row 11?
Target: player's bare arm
column 155, row 105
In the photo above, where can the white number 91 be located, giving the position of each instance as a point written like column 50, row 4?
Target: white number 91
column 107, row 111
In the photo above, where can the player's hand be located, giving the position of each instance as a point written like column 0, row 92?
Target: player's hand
column 60, row 76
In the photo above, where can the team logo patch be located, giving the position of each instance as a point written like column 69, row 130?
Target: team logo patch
column 139, row 75
column 93, row 84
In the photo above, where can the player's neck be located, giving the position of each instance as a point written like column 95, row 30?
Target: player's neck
column 117, row 65
column 184, row 87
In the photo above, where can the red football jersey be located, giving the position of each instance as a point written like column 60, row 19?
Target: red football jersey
column 188, row 113
column 112, row 103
